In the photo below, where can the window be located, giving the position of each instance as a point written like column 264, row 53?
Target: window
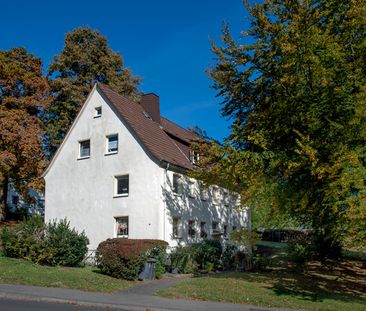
column 194, row 157
column 177, row 184
column 84, row 149
column 204, row 193
column 122, row 185
column 98, row 112
column 214, row 225
column 216, row 194
column 112, row 143
column 122, row 227
column 225, row 231
column 15, row 200
column 226, row 197
column 191, row 231
column 203, row 233
column 192, row 189
column 176, row 228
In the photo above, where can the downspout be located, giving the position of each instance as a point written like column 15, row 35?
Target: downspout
column 165, row 189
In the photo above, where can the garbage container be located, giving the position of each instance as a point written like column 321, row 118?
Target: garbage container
column 148, row 273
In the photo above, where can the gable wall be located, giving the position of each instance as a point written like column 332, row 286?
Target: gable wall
column 83, row 190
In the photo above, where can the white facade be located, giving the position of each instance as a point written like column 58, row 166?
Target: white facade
column 84, row 190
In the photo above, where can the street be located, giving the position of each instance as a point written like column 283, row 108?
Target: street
column 22, row 305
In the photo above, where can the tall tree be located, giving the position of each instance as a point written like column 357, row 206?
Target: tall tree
column 85, row 59
column 23, row 97
column 295, row 89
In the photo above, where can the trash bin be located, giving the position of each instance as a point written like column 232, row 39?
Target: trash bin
column 148, row 273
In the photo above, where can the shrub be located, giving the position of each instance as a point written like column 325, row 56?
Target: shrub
column 207, row 255
column 229, row 257
column 50, row 244
column 63, row 246
column 24, row 240
column 125, row 258
column 182, row 259
column 300, row 251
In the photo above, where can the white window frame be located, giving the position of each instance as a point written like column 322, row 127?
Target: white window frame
column 179, row 190
column 80, row 144
column 203, row 193
column 107, row 152
column 216, row 194
column 192, row 188
column 116, row 179
column 176, row 227
column 98, row 112
column 124, row 236
column 194, row 157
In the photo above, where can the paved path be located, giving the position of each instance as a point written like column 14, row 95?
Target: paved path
column 140, row 298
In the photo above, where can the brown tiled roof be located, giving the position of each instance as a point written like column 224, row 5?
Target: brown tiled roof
column 176, row 130
column 151, row 134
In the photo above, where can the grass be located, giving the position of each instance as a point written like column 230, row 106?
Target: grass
column 19, row 271
column 336, row 286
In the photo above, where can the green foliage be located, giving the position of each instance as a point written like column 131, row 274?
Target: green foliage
column 125, row 258
column 294, row 88
column 300, row 251
column 63, row 246
column 245, row 238
column 85, row 59
column 183, row 259
column 229, row 257
column 207, row 254
column 49, row 244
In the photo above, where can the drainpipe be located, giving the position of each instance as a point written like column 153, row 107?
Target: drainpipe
column 165, row 189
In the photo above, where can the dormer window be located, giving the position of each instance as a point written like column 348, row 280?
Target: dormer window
column 194, row 157
column 98, row 112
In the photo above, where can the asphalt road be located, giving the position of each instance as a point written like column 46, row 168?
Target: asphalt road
column 23, row 305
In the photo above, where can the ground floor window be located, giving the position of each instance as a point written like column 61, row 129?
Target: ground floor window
column 191, row 231
column 176, row 227
column 122, row 227
column 203, row 233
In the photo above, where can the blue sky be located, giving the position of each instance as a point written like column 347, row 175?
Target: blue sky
column 166, row 42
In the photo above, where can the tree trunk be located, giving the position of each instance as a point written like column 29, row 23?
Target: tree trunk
column 3, row 197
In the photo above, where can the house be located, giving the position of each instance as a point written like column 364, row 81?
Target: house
column 121, row 171
column 17, row 205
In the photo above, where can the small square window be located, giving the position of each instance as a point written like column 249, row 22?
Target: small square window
column 98, row 112
column 122, row 185
column 122, row 227
column 176, row 228
column 112, row 143
column 84, row 149
column 191, row 230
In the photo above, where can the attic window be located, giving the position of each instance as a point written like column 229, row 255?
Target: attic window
column 98, row 112
column 194, row 157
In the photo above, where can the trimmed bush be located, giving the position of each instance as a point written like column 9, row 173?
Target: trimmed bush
column 125, row 258
column 49, row 244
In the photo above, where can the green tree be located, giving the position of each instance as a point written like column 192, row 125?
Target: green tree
column 85, row 59
column 294, row 88
column 24, row 96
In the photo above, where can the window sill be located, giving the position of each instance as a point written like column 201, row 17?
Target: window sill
column 120, row 195
column 177, row 194
column 83, row 158
column 110, row 153
column 96, row 117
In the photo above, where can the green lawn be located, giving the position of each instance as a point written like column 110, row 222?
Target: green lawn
column 18, row 271
column 339, row 288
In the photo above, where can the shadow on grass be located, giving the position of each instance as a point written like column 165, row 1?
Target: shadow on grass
column 344, row 281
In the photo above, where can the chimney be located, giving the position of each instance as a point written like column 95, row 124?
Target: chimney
column 151, row 104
